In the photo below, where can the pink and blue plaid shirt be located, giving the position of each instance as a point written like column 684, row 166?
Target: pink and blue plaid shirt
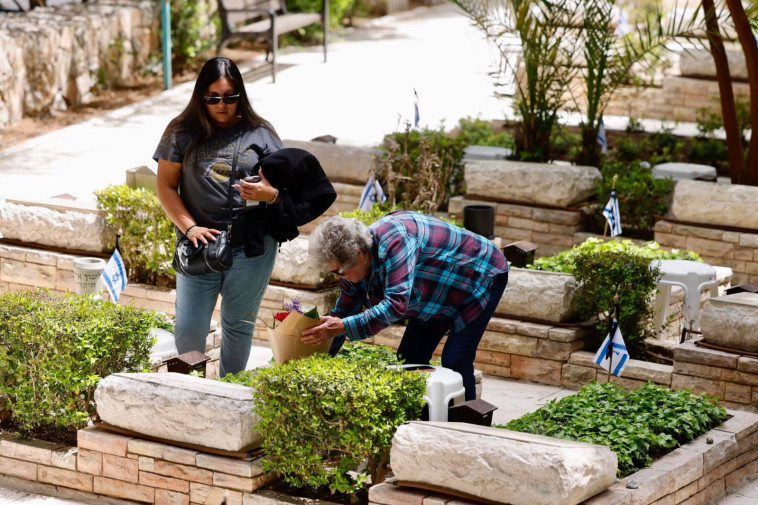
column 422, row 268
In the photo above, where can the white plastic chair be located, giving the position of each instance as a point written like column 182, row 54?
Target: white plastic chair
column 693, row 277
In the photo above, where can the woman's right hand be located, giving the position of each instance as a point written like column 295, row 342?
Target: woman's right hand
column 202, row 234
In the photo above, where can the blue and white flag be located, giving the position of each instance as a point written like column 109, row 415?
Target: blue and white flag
column 114, row 275
column 616, row 348
column 601, row 137
column 416, row 115
column 372, row 194
column 612, row 214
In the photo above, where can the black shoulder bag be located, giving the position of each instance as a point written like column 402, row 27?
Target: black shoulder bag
column 213, row 256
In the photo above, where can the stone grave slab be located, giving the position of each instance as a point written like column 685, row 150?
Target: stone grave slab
column 531, row 183
column 181, row 408
column 732, row 321
column 500, row 465
column 684, row 171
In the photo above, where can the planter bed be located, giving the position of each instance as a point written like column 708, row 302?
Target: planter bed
column 117, row 466
column 701, row 471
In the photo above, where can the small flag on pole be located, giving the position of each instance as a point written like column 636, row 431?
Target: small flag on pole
column 114, row 275
column 601, row 137
column 416, row 115
column 612, row 214
column 372, row 193
column 613, row 352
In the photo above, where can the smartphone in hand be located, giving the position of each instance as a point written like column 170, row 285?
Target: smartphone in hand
column 252, row 178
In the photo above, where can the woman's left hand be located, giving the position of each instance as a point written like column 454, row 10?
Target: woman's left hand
column 330, row 326
column 261, row 191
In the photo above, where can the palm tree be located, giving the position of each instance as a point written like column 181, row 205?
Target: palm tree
column 532, row 38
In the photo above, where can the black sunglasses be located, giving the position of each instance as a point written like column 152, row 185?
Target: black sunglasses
column 228, row 99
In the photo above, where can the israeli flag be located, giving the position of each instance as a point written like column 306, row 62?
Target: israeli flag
column 372, row 194
column 612, row 214
column 416, row 115
column 114, row 275
column 617, row 347
column 601, row 137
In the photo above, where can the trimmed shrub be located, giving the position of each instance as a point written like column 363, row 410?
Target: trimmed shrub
column 321, row 418
column 638, row 426
column 56, row 348
column 147, row 234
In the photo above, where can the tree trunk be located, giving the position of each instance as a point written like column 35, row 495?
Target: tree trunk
column 735, row 152
column 590, row 153
column 750, row 49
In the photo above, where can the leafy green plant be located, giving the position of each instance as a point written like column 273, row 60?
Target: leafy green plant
column 147, row 234
column 564, row 261
column 55, row 348
column 421, row 169
column 377, row 212
column 320, row 418
column 604, row 269
column 641, row 197
column 475, row 131
column 360, row 352
column 602, row 277
column 638, row 426
column 189, row 32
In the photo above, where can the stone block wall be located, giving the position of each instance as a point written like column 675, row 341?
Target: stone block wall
column 513, row 349
column 733, row 249
column 118, row 466
column 700, row 472
column 677, row 99
column 51, row 58
column 731, row 377
column 552, row 230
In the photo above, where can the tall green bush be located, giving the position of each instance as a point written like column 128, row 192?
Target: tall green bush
column 147, row 234
column 321, row 418
column 55, row 348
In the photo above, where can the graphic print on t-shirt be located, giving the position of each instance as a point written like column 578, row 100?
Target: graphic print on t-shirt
column 220, row 170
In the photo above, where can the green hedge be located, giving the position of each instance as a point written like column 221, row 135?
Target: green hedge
column 638, row 426
column 147, row 234
column 55, row 348
column 322, row 417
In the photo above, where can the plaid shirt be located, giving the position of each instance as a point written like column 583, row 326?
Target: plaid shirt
column 422, row 268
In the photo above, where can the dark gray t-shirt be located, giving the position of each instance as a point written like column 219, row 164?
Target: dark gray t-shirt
column 204, row 184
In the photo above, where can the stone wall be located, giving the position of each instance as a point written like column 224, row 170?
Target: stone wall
column 551, row 230
column 52, row 57
column 700, row 472
column 111, row 465
column 737, row 250
column 731, row 377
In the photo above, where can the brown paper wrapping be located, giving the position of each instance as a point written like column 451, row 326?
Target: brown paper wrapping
column 285, row 339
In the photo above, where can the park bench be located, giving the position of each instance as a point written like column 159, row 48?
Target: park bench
column 265, row 20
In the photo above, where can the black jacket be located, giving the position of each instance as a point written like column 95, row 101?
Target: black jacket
column 304, row 194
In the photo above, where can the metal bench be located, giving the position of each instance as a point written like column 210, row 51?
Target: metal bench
column 265, row 20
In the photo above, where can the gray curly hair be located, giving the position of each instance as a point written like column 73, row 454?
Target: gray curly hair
column 338, row 239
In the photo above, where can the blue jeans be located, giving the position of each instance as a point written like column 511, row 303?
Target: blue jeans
column 241, row 289
column 421, row 339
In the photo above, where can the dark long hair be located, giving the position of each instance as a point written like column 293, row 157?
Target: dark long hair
column 194, row 119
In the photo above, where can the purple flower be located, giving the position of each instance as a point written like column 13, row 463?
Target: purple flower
column 294, row 306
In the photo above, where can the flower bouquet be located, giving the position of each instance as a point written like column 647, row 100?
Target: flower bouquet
column 285, row 336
